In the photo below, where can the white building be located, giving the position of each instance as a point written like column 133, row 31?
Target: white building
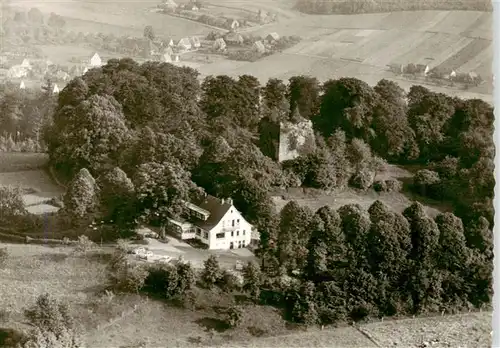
column 26, row 64
column 216, row 223
column 95, row 61
column 22, row 85
column 184, row 44
column 55, row 89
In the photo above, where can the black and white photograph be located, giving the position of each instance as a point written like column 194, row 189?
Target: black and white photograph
column 248, row 173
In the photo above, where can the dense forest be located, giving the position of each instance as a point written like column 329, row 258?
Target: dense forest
column 373, row 6
column 134, row 141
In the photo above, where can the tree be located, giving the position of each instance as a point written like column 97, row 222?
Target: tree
column 11, row 203
column 234, row 316
column 161, row 190
column 303, row 94
column 252, row 280
column 116, row 196
column 211, row 271
column 81, row 197
column 91, row 135
column 149, row 32
column 53, row 324
column 293, row 235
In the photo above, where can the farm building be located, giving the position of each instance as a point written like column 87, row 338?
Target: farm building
column 195, row 42
column 258, row 46
column 17, row 71
column 22, row 85
column 55, row 89
column 176, row 58
column 168, row 51
column 171, row 43
column 166, row 58
column 85, row 70
column 184, row 44
column 169, row 5
column 26, row 64
column 234, row 38
column 220, row 44
column 272, row 37
column 453, row 74
column 234, row 24
column 215, row 222
column 95, row 61
column 62, row 75
column 426, row 70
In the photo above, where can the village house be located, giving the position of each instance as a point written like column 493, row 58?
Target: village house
column 220, row 44
column 165, row 58
column 22, row 85
column 195, row 42
column 95, row 61
column 259, row 47
column 171, row 43
column 234, row 38
column 169, row 5
column 168, row 51
column 17, row 71
column 272, row 37
column 216, row 223
column 26, row 64
column 184, row 44
column 234, row 24
column 55, row 89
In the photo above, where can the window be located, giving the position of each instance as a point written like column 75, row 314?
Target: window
column 243, row 244
column 198, row 232
column 243, row 232
column 239, row 244
column 232, row 233
column 237, row 233
column 238, row 221
column 205, row 234
column 233, row 223
column 219, row 235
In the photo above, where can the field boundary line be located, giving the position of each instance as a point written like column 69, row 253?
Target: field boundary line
column 54, row 178
column 367, row 335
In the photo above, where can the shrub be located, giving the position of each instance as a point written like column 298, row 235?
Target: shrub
column 380, row 186
column 426, row 182
column 54, row 326
column 363, row 179
column 229, row 281
column 234, row 316
column 123, row 277
column 211, row 272
column 393, row 185
column 84, row 244
column 4, row 254
column 11, row 203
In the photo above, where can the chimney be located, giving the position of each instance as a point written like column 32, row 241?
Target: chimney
column 222, row 201
column 229, row 201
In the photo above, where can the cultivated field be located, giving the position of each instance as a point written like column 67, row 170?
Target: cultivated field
column 363, row 45
column 120, row 321
column 332, row 46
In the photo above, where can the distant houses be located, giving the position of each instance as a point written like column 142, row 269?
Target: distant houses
column 272, row 37
column 195, row 42
column 26, row 64
column 234, row 38
column 234, row 24
column 220, row 44
column 95, row 61
column 22, row 85
column 184, row 44
column 166, row 58
column 259, row 47
column 55, row 90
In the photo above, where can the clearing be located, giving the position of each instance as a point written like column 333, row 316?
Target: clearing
column 29, row 171
column 396, row 201
column 118, row 321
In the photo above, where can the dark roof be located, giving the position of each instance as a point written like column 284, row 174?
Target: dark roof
column 217, row 211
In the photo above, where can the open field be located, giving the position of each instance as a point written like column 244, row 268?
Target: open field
column 363, row 45
column 396, row 201
column 28, row 171
column 116, row 17
column 121, row 321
